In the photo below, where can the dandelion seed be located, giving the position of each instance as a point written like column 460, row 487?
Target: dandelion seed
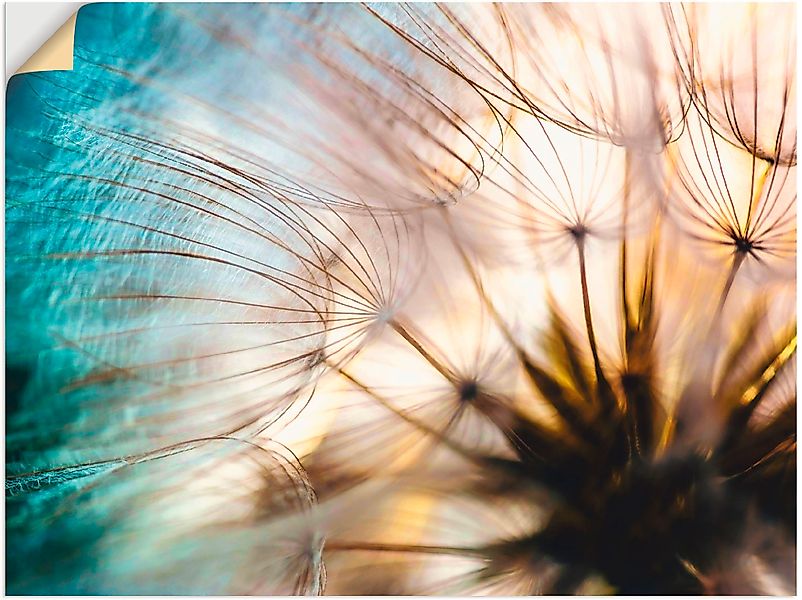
column 739, row 66
column 733, row 203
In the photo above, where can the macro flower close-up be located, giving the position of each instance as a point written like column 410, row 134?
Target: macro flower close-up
column 404, row 299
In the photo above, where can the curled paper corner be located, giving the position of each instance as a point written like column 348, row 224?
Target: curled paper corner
column 56, row 54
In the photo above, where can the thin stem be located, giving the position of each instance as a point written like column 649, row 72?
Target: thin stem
column 583, row 279
column 440, row 436
column 624, row 219
column 737, row 260
column 480, row 290
column 409, row 338
column 413, row 548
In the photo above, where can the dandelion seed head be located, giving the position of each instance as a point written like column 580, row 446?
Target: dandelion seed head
column 739, row 66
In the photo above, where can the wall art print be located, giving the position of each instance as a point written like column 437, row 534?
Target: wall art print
column 369, row 299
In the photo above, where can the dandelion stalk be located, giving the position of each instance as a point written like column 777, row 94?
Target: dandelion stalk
column 405, row 548
column 624, row 221
column 738, row 258
column 583, row 281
